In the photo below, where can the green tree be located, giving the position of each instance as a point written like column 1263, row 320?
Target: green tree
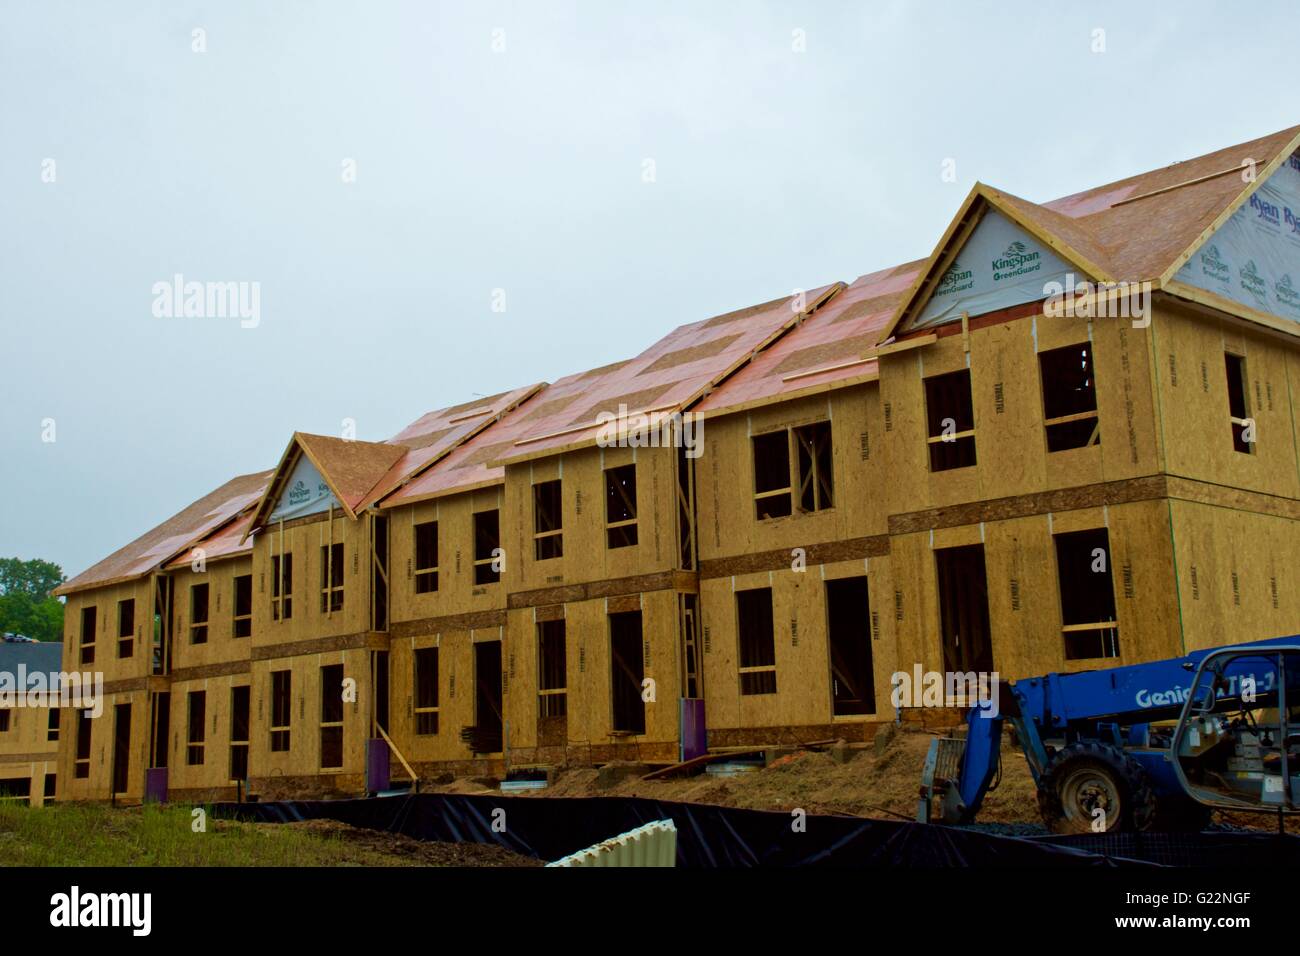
column 26, row 605
column 38, row 578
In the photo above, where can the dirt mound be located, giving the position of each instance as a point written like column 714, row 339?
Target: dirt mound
column 868, row 784
column 461, row 785
column 883, row 785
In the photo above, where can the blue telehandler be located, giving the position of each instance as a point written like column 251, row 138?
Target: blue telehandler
column 1152, row 746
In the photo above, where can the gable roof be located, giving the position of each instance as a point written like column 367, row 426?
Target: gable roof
column 349, row 468
column 1064, row 237
column 1138, row 229
column 149, row 551
column 360, row 473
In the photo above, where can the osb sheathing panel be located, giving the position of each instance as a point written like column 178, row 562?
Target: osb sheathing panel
column 305, row 541
column 173, row 535
column 457, row 593
column 1125, row 403
column 1145, row 236
column 222, row 646
column 1024, row 593
column 1194, row 410
column 227, row 540
column 215, row 769
column 33, row 770
column 97, row 785
column 803, row 682
column 839, row 333
column 27, row 736
column 902, row 396
column 587, row 674
column 651, row 380
column 1142, row 572
column 455, row 695
column 1236, row 574
column 303, row 756
column 105, row 601
column 586, row 555
column 1010, row 447
column 913, row 607
column 1293, row 396
column 436, row 433
column 724, row 477
column 1006, row 396
column 1012, row 456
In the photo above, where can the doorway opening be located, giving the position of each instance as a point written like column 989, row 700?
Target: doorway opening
column 964, row 609
column 848, row 628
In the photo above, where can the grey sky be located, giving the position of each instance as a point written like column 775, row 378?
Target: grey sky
column 518, row 170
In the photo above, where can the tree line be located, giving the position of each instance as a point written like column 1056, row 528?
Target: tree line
column 26, row 605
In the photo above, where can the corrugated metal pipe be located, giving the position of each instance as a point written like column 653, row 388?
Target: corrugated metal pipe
column 654, row 844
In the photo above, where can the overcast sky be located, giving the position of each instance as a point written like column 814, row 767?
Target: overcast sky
column 501, row 147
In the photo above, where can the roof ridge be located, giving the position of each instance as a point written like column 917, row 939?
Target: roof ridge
column 1117, row 184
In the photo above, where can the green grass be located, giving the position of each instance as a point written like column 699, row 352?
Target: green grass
column 95, row 835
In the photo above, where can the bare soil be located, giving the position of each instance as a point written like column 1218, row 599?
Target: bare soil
column 391, row 849
column 867, row 785
column 883, row 786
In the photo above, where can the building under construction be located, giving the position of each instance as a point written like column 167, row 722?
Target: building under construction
column 1069, row 438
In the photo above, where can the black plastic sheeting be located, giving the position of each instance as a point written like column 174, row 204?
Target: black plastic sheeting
column 1210, row 849
column 549, row 828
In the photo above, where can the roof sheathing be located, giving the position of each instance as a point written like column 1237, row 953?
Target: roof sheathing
column 225, row 542
column 437, row 433
column 1156, row 220
column 176, row 534
column 360, row 473
column 353, row 467
column 669, row 375
column 473, row 464
column 469, row 466
column 660, row 383
column 827, row 350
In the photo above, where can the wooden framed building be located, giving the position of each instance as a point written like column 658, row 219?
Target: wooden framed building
column 1066, row 439
column 30, row 727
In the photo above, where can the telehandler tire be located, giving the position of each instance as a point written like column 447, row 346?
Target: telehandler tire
column 1091, row 787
